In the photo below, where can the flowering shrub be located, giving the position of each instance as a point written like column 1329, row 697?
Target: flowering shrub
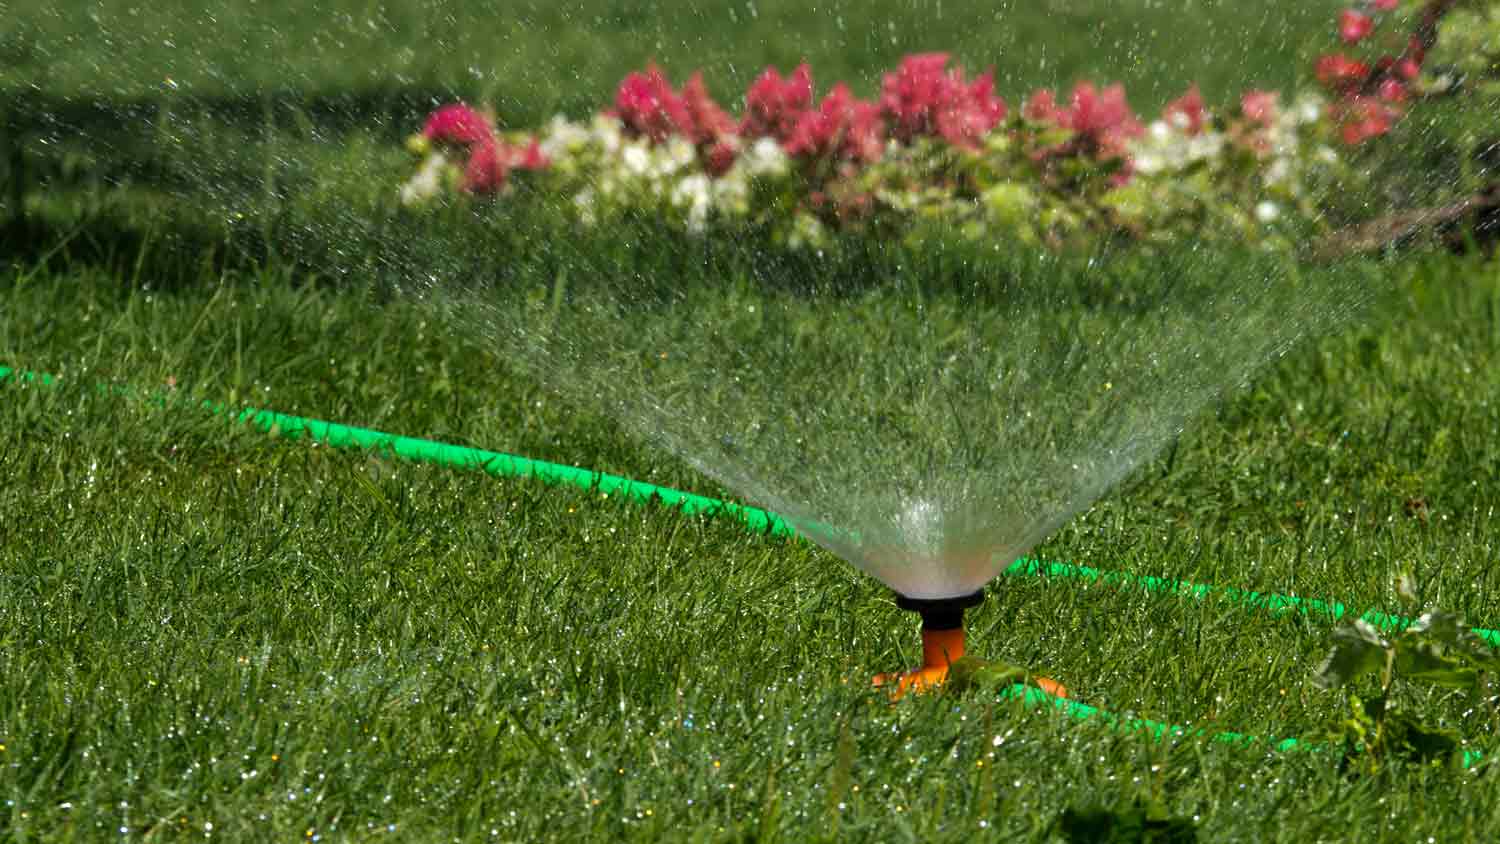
column 939, row 150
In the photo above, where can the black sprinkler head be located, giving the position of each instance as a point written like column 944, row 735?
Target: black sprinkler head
column 941, row 613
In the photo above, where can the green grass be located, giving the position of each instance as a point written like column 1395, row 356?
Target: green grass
column 201, row 625
column 533, row 58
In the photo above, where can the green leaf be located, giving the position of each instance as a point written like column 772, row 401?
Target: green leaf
column 1357, row 650
column 970, row 672
column 1442, row 650
column 1427, row 662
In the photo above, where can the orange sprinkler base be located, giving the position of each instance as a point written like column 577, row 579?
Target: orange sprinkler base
column 943, row 643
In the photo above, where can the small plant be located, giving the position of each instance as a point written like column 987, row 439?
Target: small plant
column 1438, row 651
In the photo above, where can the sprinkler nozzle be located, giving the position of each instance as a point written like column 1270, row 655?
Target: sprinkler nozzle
column 942, row 645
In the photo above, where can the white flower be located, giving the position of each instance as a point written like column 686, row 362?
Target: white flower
column 585, row 205
column 1267, row 211
column 1279, row 171
column 731, row 193
column 692, row 190
column 1148, row 163
column 1163, row 148
column 765, row 157
column 563, row 137
column 608, row 133
column 636, row 158
column 427, row 182
column 694, row 194
column 1308, row 108
column 677, row 154
column 1205, row 145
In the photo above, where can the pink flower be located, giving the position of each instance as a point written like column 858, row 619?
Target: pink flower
column 923, row 98
column 1339, row 72
column 1041, row 107
column 1186, row 112
column 842, row 127
column 1102, row 117
column 1354, row 26
column 490, row 158
column 773, row 105
column 647, row 105
column 706, row 123
column 1408, row 68
column 1101, row 121
column 1391, row 90
column 1259, row 107
column 458, row 123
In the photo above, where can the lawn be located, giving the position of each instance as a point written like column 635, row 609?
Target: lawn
column 208, row 632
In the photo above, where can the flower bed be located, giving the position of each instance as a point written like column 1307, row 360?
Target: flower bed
column 939, row 150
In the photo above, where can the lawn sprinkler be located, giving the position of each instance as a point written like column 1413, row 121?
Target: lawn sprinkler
column 943, row 649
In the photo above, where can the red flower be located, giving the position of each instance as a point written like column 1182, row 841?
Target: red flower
column 1392, row 91
column 529, row 157
column 1354, row 26
column 1408, row 68
column 773, row 105
column 490, row 163
column 1186, row 112
column 1415, row 49
column 486, row 170
column 1339, row 72
column 647, row 105
column 1386, row 5
column 458, row 123
column 1363, row 117
column 719, row 157
column 1259, row 107
column 842, row 127
column 922, row 98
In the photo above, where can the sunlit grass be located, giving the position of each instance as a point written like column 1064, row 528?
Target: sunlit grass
column 206, row 633
column 202, row 625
